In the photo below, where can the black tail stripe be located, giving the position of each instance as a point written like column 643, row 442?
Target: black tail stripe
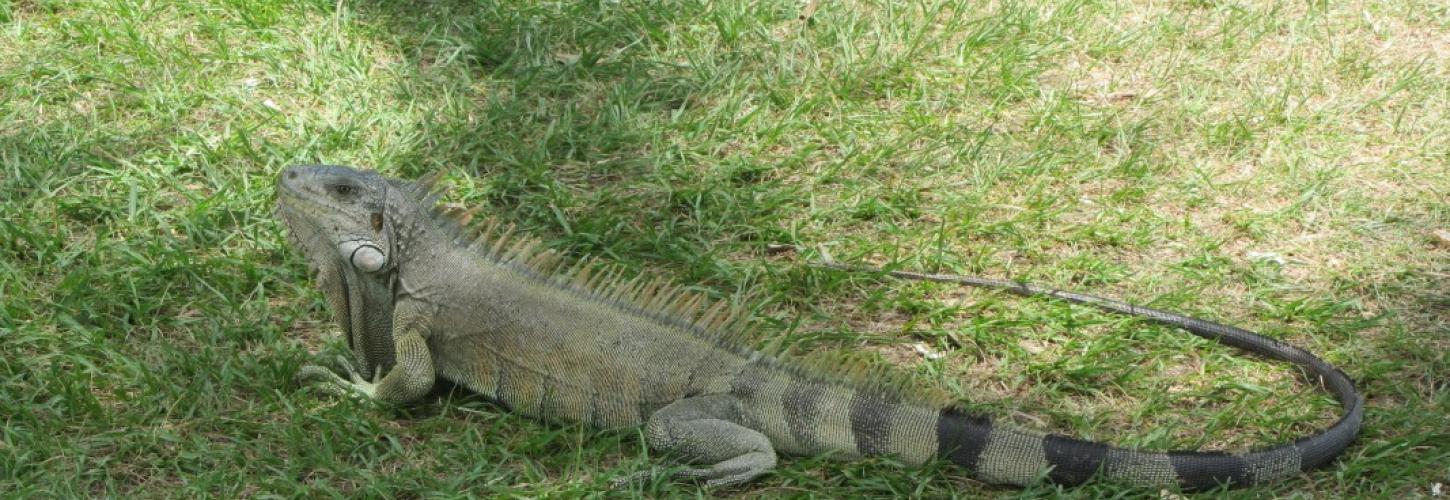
column 961, row 437
column 1315, row 451
column 1194, row 470
column 1073, row 461
column 801, row 404
column 870, row 421
column 1208, row 470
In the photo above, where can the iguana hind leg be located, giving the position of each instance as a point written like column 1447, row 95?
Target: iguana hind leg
column 700, row 431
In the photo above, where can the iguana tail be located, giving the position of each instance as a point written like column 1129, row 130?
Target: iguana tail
column 1002, row 454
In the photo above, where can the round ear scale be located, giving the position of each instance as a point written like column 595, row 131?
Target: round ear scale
column 363, row 255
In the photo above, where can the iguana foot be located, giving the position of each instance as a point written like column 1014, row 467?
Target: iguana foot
column 721, row 475
column 621, row 482
column 328, row 381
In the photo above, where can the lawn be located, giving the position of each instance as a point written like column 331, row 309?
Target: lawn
column 1283, row 166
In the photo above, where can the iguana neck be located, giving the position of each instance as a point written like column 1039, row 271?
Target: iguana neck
column 419, row 248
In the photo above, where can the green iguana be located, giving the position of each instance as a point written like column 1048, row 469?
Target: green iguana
column 418, row 299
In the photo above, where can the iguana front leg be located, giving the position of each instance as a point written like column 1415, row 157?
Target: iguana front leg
column 409, row 379
column 701, row 431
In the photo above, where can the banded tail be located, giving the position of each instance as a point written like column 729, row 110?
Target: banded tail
column 810, row 417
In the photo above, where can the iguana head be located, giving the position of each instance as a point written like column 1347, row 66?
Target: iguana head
column 338, row 215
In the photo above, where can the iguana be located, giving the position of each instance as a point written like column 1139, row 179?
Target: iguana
column 419, row 298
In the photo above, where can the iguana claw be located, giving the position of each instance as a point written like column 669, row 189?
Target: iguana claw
column 322, row 378
column 347, row 364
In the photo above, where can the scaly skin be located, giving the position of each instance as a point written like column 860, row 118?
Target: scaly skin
column 416, row 303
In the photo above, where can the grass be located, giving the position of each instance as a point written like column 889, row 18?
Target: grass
column 1281, row 166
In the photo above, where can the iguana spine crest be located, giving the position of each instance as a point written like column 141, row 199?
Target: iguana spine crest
column 718, row 321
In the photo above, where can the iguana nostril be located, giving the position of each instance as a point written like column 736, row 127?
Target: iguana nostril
column 291, row 174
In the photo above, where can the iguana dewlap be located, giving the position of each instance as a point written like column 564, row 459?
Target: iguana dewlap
column 419, row 299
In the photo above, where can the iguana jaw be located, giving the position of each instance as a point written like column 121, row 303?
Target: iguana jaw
column 353, row 222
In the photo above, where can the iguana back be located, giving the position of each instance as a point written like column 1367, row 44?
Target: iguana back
column 562, row 352
column 420, row 297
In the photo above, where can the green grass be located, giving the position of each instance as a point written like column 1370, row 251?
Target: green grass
column 1281, row 166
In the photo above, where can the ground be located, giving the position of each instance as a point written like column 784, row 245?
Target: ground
column 1280, row 166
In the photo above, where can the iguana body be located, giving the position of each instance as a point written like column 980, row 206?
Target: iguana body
column 417, row 300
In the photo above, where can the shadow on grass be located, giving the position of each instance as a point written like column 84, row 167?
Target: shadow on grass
column 569, row 115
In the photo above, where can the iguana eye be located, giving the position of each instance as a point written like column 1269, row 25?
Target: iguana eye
column 342, row 189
